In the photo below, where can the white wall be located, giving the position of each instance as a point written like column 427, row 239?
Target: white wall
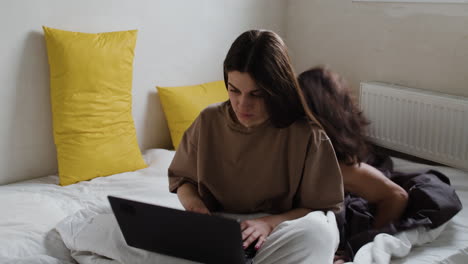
column 180, row 42
column 412, row 44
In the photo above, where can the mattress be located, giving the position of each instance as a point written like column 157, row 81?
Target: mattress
column 31, row 209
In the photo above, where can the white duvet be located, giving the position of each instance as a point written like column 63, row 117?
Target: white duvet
column 31, row 210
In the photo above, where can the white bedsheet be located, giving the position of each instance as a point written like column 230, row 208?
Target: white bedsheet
column 30, row 210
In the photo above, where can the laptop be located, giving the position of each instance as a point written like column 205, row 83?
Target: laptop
column 198, row 237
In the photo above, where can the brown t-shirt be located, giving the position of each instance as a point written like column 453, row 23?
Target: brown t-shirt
column 260, row 169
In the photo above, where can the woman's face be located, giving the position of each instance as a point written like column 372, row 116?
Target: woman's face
column 247, row 100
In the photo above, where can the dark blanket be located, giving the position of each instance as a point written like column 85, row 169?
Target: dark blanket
column 431, row 202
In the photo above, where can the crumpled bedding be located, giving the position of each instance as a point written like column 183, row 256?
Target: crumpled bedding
column 385, row 246
column 432, row 201
column 446, row 244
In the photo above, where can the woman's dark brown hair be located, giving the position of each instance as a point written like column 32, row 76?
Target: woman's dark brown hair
column 264, row 56
column 329, row 98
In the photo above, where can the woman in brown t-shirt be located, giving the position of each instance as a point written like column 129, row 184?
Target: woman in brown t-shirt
column 263, row 152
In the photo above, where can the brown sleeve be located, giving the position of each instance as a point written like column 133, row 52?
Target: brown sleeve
column 183, row 167
column 322, row 184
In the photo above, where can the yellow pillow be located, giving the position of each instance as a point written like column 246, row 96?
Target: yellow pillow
column 182, row 104
column 91, row 97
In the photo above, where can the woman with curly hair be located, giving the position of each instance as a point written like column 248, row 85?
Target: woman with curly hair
column 329, row 98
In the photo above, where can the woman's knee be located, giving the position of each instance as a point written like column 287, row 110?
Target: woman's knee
column 310, row 239
column 318, row 228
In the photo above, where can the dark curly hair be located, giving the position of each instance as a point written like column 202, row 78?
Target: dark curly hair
column 328, row 97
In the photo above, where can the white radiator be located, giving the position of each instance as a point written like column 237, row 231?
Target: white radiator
column 428, row 125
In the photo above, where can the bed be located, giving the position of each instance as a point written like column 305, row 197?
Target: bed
column 31, row 211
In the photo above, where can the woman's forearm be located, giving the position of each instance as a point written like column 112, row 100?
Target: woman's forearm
column 190, row 199
column 372, row 185
column 390, row 209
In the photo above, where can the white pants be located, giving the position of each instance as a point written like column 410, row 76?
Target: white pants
column 313, row 238
column 96, row 239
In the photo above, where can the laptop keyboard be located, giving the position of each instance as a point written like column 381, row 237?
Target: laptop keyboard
column 250, row 251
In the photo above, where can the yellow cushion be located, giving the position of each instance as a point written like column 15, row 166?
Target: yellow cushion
column 181, row 105
column 91, row 97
